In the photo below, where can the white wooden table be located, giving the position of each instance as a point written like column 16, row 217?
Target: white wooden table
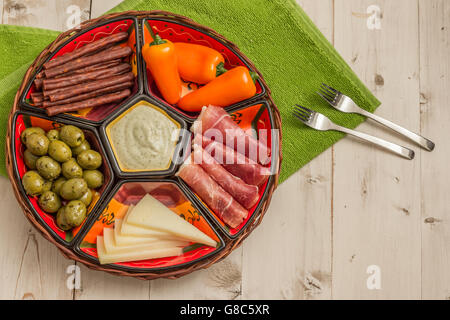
column 355, row 223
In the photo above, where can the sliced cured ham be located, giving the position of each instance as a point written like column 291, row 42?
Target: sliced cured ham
column 216, row 122
column 247, row 195
column 218, row 200
column 237, row 164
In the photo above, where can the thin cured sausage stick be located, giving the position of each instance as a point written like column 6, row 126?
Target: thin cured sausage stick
column 89, row 95
column 94, row 102
column 107, row 55
column 37, row 97
column 88, row 48
column 108, row 64
column 99, row 66
column 50, row 84
column 38, row 83
column 61, row 94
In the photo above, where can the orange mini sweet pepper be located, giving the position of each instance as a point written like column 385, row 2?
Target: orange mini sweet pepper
column 197, row 63
column 233, row 86
column 161, row 60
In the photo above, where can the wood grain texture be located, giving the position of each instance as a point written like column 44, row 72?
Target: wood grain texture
column 435, row 176
column 99, row 7
column 289, row 255
column 100, row 285
column 1, row 11
column 376, row 194
column 351, row 207
column 59, row 13
column 32, row 267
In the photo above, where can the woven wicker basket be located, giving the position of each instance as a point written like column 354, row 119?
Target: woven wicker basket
column 230, row 244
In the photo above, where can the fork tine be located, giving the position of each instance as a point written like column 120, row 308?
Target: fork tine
column 326, row 97
column 301, row 118
column 305, row 115
column 330, row 92
column 330, row 88
column 301, row 115
column 309, row 111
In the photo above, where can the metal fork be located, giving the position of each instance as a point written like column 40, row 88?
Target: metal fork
column 343, row 103
column 320, row 122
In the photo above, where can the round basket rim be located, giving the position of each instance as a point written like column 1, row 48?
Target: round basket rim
column 230, row 244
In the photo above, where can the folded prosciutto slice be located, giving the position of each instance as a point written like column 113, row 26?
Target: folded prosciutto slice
column 218, row 200
column 247, row 195
column 216, row 122
column 237, row 164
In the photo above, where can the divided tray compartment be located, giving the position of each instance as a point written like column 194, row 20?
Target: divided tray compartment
column 178, row 31
column 78, row 39
column 171, row 194
column 257, row 116
column 258, row 111
column 181, row 143
column 23, row 120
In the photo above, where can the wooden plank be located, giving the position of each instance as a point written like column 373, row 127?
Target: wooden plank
column 32, row 268
column 376, row 194
column 435, row 100
column 59, row 14
column 101, row 285
column 99, row 7
column 289, row 255
column 1, row 11
column 221, row 281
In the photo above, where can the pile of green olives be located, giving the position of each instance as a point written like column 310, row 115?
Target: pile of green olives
column 63, row 172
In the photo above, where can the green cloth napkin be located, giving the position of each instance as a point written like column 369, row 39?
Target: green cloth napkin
column 288, row 49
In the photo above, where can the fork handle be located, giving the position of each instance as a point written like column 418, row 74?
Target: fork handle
column 395, row 148
column 421, row 141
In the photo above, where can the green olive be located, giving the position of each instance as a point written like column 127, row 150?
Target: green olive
column 71, row 169
column 33, row 183
column 59, row 151
column 30, row 131
column 53, row 135
column 61, row 220
column 73, row 189
column 71, row 135
column 47, row 186
column 49, row 202
column 82, row 147
column 30, row 159
column 75, row 213
column 93, row 178
column 37, row 144
column 89, row 159
column 57, row 184
column 48, row 168
column 86, row 198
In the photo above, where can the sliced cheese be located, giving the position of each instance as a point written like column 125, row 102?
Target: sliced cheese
column 127, row 239
column 133, row 255
column 129, row 230
column 152, row 214
column 121, row 240
column 112, row 247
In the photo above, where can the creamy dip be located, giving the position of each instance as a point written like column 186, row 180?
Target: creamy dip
column 144, row 139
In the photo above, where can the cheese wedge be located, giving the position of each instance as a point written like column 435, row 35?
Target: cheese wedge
column 151, row 214
column 133, row 255
column 111, row 246
column 129, row 239
column 129, row 230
